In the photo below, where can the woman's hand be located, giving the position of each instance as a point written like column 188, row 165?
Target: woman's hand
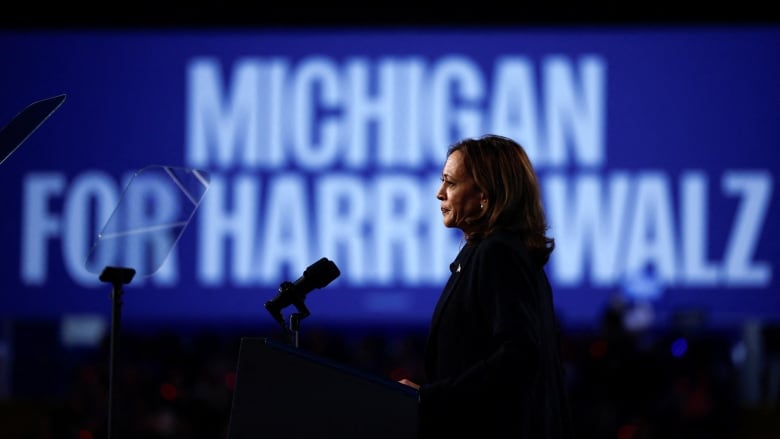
column 409, row 383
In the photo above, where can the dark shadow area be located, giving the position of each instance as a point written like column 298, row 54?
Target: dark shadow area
column 234, row 13
column 681, row 382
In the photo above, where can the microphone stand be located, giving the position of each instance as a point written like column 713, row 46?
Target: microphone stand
column 116, row 276
column 317, row 275
column 295, row 322
column 293, row 329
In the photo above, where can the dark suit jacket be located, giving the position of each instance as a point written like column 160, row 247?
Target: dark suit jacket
column 492, row 358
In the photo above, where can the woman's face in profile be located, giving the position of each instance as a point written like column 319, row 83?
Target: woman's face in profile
column 460, row 198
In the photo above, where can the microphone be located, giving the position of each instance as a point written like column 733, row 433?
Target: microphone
column 317, row 275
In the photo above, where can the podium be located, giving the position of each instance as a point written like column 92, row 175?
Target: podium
column 284, row 392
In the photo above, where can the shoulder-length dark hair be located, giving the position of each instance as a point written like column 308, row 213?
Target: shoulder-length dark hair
column 502, row 171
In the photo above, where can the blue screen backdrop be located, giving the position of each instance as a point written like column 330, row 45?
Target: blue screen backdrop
column 657, row 150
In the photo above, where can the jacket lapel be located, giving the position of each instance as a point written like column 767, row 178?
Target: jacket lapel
column 457, row 270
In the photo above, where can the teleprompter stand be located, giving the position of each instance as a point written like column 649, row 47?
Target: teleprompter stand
column 153, row 211
column 116, row 276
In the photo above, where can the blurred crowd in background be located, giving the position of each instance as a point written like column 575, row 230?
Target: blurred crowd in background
column 626, row 381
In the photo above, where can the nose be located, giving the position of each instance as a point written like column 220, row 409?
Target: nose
column 440, row 193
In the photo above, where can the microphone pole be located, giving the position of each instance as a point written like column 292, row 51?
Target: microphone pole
column 295, row 323
column 293, row 330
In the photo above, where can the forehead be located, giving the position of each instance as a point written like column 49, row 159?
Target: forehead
column 454, row 166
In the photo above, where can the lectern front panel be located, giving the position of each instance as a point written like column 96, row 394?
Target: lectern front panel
column 284, row 392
